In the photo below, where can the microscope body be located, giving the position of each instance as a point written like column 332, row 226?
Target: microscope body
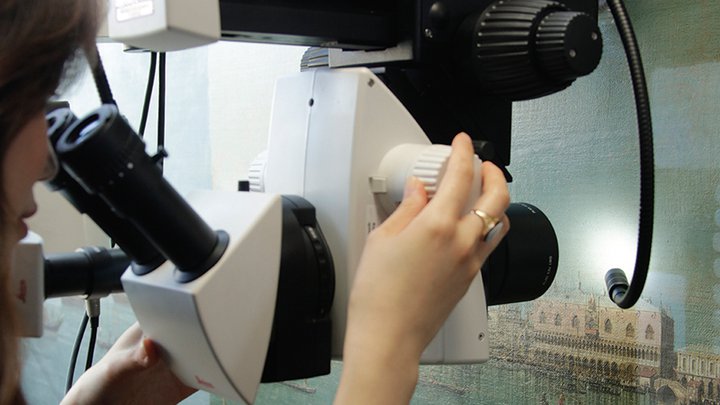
column 329, row 134
column 333, row 142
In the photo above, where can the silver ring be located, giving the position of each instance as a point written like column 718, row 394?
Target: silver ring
column 489, row 222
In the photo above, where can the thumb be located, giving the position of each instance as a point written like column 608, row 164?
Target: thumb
column 146, row 353
column 414, row 200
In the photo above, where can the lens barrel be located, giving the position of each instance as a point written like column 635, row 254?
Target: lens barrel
column 523, row 266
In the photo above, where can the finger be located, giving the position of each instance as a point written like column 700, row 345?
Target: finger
column 481, row 246
column 495, row 197
column 489, row 209
column 414, row 200
column 493, row 239
column 150, row 351
column 455, row 187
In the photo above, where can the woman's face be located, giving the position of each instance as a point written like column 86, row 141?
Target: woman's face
column 25, row 162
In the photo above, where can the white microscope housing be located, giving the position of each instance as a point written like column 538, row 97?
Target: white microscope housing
column 215, row 331
column 342, row 140
column 239, row 288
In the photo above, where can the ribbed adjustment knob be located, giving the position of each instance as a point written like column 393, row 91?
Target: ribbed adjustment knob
column 568, row 45
column 502, row 43
column 256, row 172
column 425, row 162
column 503, row 54
column 430, row 166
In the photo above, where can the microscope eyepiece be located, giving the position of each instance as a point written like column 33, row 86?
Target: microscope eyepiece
column 101, row 149
column 89, row 125
column 105, row 155
column 143, row 254
column 58, row 120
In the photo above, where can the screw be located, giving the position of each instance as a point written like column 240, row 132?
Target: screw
column 311, row 102
column 371, row 82
column 573, row 53
column 594, row 36
column 428, row 33
column 481, row 336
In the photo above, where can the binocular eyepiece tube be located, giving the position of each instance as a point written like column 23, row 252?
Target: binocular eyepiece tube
column 108, row 159
column 145, row 257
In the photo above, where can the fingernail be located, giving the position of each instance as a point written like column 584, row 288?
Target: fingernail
column 143, row 357
column 462, row 134
column 497, row 229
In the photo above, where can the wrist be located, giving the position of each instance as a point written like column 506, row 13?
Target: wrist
column 89, row 387
column 377, row 370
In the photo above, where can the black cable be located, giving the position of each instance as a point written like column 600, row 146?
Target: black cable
column 94, row 322
column 76, row 350
column 101, row 81
column 148, row 93
column 161, row 109
column 628, row 298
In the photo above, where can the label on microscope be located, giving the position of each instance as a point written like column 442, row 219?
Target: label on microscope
column 130, row 9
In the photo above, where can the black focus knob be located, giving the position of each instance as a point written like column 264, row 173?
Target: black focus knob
column 568, row 45
column 524, row 49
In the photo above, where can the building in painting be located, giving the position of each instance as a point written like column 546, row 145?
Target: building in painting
column 589, row 339
column 698, row 369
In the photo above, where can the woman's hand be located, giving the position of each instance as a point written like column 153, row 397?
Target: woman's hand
column 415, row 268
column 130, row 373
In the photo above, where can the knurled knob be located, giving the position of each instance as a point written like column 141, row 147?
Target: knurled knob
column 514, row 45
column 425, row 162
column 568, row 45
column 256, row 172
column 429, row 166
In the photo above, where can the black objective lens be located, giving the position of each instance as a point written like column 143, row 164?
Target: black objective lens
column 523, row 266
column 143, row 254
column 108, row 158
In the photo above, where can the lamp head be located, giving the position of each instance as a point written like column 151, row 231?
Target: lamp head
column 617, row 284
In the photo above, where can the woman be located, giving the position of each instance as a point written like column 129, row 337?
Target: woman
column 39, row 41
column 31, row 63
column 415, row 268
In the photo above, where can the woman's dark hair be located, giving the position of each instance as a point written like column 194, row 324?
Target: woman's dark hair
column 40, row 42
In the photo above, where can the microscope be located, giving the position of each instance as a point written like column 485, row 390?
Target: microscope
column 239, row 288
